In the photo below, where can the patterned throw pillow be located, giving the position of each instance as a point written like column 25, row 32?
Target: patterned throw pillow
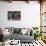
column 17, row 30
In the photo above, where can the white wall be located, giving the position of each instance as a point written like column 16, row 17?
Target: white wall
column 30, row 14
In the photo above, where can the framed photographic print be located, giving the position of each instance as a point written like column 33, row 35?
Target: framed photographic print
column 14, row 15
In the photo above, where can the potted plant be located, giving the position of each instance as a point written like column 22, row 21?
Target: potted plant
column 37, row 33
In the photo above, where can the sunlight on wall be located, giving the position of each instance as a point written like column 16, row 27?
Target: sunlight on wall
column 30, row 14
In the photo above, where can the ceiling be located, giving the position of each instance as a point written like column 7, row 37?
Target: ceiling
column 20, row 0
column 24, row 0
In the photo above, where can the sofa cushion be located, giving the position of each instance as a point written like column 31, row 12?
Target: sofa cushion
column 17, row 30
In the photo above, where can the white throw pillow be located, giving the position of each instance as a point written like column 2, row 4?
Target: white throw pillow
column 5, row 32
column 23, row 31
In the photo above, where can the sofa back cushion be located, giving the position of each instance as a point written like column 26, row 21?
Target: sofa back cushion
column 17, row 30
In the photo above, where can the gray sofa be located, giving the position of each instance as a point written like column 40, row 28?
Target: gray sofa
column 17, row 35
column 22, row 38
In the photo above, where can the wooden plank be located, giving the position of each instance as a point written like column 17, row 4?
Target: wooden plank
column 10, row 1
